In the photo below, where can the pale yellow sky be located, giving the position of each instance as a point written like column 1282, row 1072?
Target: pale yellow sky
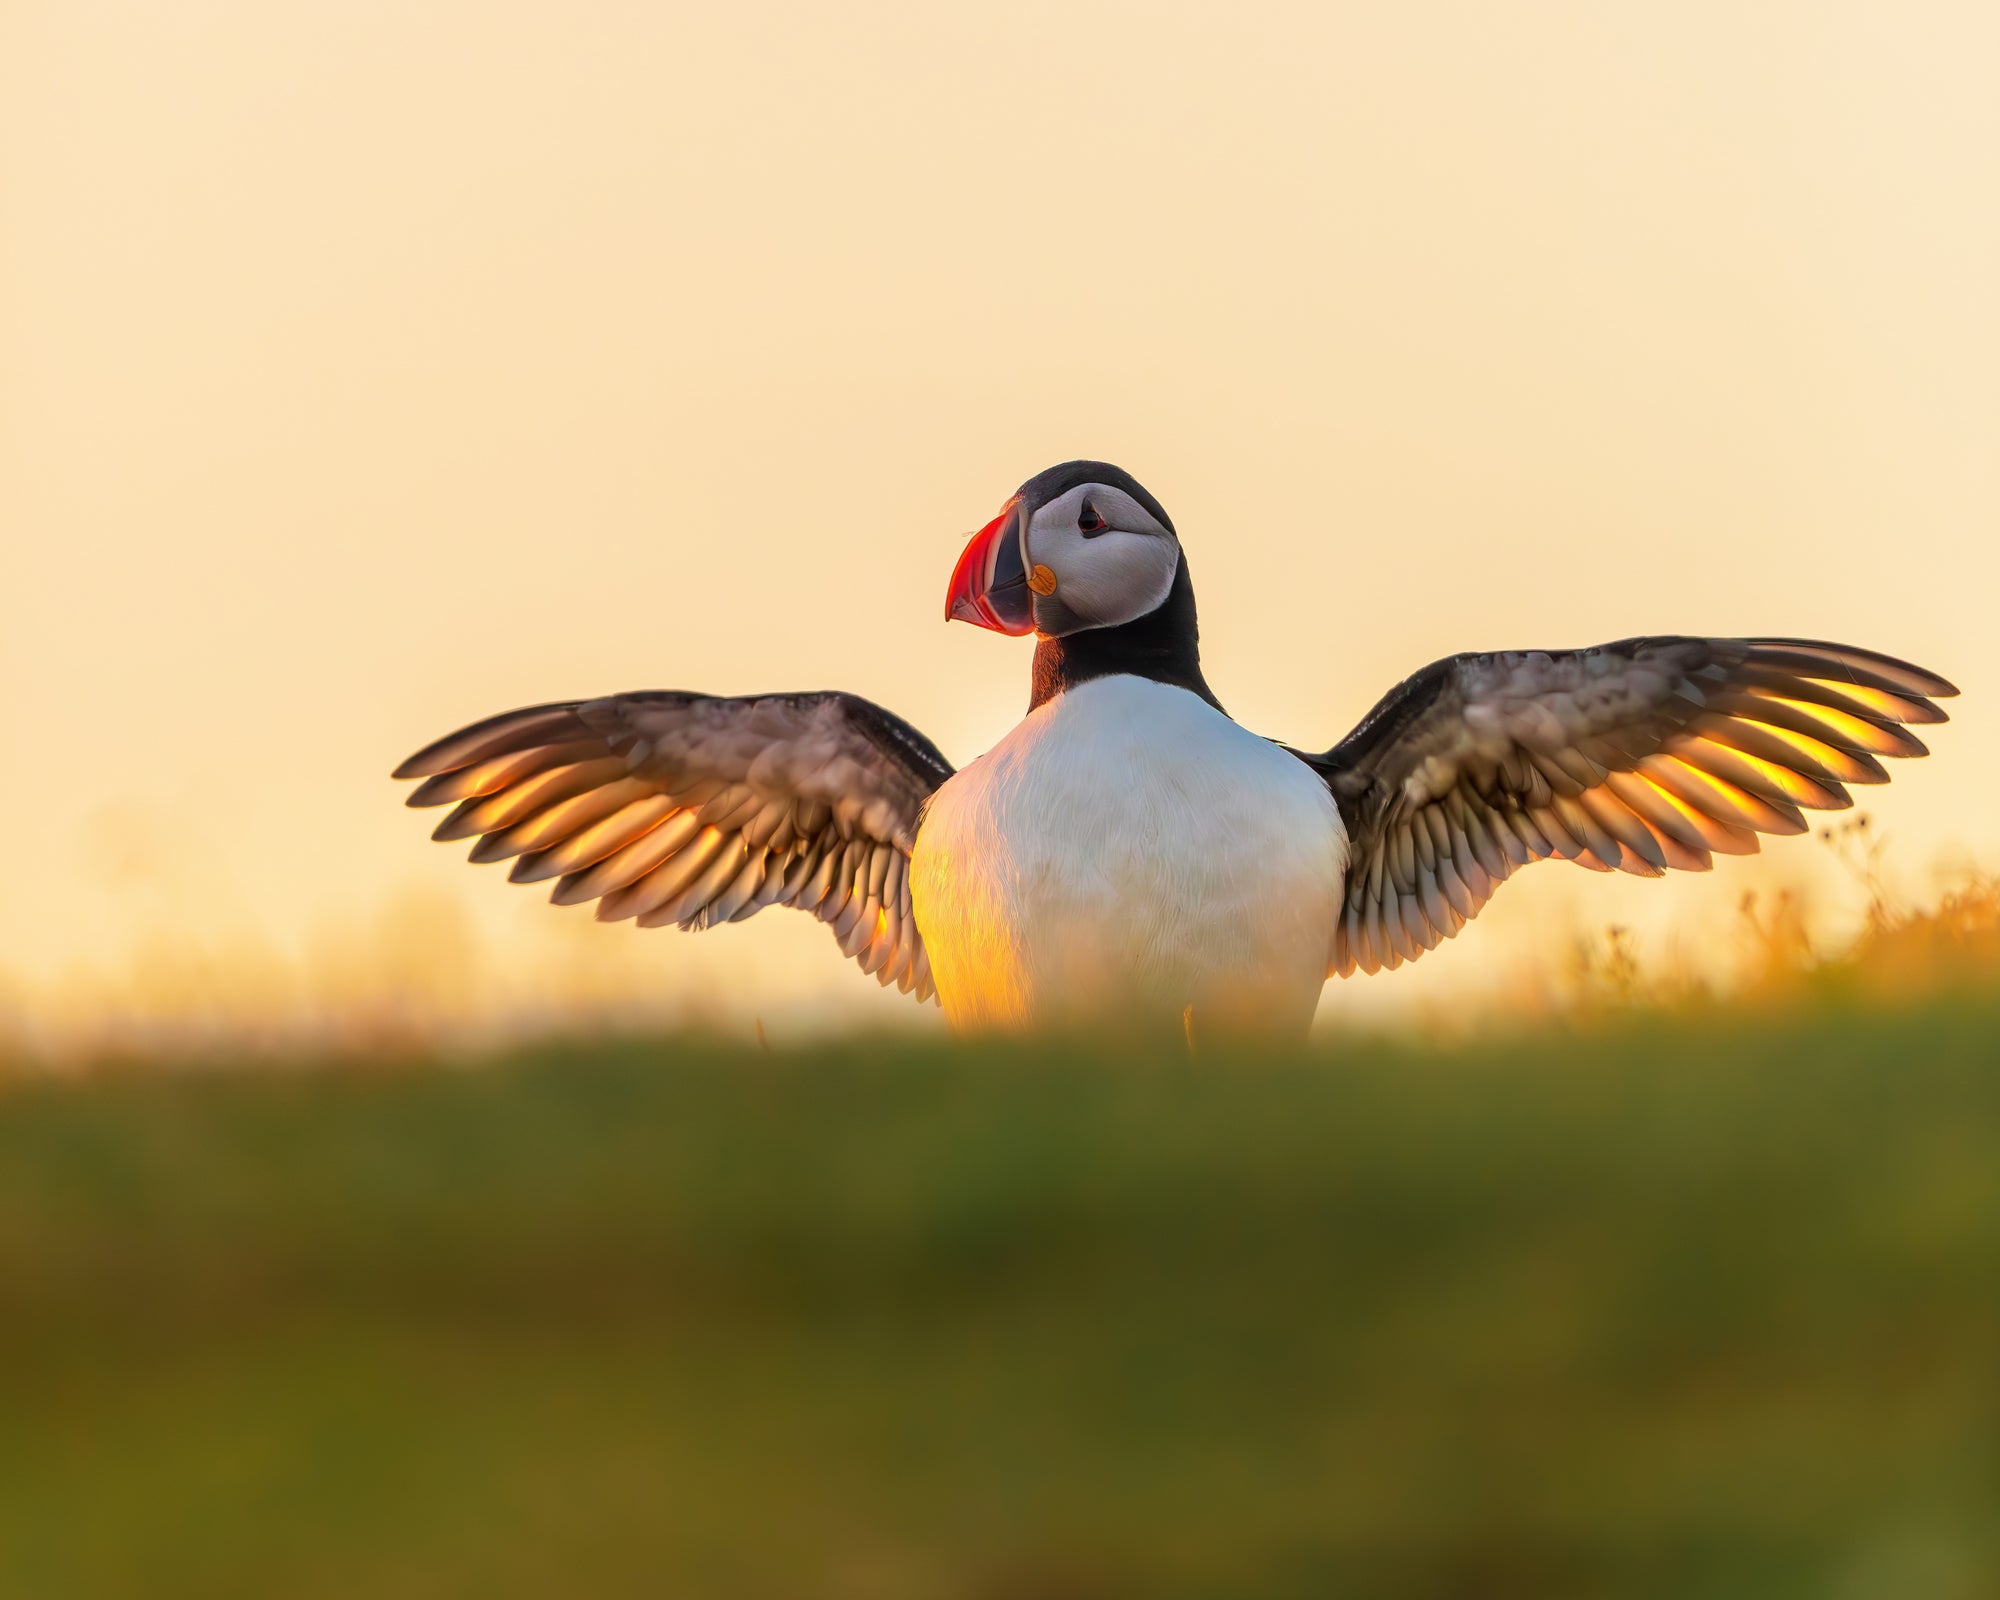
column 369, row 367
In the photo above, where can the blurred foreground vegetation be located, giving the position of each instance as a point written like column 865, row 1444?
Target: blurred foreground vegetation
column 1702, row 1305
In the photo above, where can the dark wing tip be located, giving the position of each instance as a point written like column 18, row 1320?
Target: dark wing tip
column 1905, row 677
column 509, row 730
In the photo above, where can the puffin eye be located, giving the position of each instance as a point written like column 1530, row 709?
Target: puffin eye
column 1089, row 523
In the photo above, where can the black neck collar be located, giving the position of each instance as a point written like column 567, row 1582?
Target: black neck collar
column 1162, row 645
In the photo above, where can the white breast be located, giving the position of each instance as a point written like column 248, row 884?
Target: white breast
column 1129, row 851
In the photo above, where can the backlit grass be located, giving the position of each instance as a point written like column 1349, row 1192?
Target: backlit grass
column 1707, row 1306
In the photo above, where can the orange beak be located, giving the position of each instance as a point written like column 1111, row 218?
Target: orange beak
column 989, row 586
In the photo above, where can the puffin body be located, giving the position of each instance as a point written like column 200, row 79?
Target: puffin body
column 1128, row 850
column 1129, row 853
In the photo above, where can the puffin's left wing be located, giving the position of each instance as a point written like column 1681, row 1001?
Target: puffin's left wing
column 1635, row 756
column 695, row 810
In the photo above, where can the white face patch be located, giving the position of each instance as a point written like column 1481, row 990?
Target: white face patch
column 1120, row 570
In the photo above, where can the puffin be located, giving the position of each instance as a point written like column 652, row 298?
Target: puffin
column 1129, row 853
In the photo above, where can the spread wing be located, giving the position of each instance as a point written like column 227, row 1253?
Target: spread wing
column 694, row 810
column 1636, row 756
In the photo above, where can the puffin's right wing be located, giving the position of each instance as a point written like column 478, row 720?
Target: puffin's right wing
column 695, row 810
column 1635, row 756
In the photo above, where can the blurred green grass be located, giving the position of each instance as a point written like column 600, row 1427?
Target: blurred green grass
column 1705, row 1305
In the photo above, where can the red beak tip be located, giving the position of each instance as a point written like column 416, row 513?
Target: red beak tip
column 967, row 600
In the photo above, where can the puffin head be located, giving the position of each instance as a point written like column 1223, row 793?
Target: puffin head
column 1081, row 545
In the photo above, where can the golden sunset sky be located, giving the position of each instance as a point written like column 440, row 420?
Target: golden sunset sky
column 367, row 367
